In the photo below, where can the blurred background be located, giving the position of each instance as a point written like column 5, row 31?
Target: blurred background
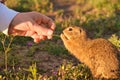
column 101, row 15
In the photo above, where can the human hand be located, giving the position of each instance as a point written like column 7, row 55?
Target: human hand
column 33, row 24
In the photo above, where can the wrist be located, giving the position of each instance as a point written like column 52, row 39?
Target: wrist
column 6, row 16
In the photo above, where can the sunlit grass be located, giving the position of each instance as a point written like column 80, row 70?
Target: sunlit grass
column 115, row 40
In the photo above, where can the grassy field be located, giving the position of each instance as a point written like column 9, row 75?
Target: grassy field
column 22, row 59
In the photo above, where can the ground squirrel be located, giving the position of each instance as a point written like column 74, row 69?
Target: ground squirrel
column 101, row 56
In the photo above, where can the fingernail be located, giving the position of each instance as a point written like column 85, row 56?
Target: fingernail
column 50, row 32
column 36, row 40
column 53, row 26
column 49, row 37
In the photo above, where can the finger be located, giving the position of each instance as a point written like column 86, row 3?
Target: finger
column 25, row 26
column 38, row 21
column 49, row 36
column 36, row 38
column 42, row 30
column 52, row 25
column 49, row 22
column 39, row 39
column 18, row 32
column 40, row 18
column 29, row 33
column 43, row 37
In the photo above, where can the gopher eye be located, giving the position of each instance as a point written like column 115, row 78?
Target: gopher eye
column 80, row 30
column 70, row 29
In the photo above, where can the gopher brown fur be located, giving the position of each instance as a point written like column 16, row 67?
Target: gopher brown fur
column 101, row 56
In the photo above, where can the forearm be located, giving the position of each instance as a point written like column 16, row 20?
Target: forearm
column 2, row 1
column 6, row 16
